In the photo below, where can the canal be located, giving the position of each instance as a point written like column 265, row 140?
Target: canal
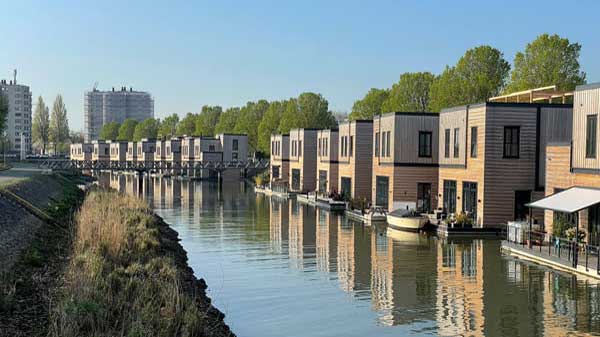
column 279, row 268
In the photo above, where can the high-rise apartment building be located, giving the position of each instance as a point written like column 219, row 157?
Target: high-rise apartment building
column 102, row 107
column 18, row 128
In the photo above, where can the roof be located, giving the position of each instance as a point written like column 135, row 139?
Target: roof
column 570, row 200
column 533, row 95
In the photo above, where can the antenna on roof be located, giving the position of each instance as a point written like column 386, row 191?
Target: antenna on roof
column 95, row 86
column 15, row 76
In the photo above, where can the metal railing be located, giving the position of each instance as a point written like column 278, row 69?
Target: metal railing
column 560, row 249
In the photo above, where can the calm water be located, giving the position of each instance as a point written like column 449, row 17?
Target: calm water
column 279, row 268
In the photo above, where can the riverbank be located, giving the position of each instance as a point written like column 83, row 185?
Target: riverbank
column 113, row 268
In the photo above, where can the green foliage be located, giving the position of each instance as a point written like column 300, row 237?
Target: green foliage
column 187, row 126
column 463, row 220
column 548, row 60
column 207, row 121
column 269, row 125
column 168, row 127
column 560, row 225
column 3, row 112
column 40, row 128
column 309, row 110
column 479, row 74
column 110, row 131
column 370, row 105
column 290, row 117
column 76, row 137
column 32, row 258
column 127, row 129
column 262, row 179
column 250, row 116
column 227, row 120
column 59, row 124
column 410, row 94
column 148, row 128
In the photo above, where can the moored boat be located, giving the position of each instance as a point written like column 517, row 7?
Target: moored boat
column 406, row 220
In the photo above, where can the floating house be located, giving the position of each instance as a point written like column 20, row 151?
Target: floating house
column 131, row 157
column 118, row 153
column 327, row 161
column 81, row 152
column 355, row 157
column 173, row 155
column 280, row 160
column 101, row 152
column 145, row 152
column 303, row 160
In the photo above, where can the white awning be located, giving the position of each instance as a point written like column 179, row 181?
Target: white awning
column 570, row 200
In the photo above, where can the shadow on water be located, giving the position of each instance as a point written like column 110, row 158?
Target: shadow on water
column 282, row 268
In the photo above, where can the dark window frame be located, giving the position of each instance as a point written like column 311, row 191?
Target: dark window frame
column 591, row 136
column 511, row 148
column 474, row 134
column 447, row 143
column 456, row 149
column 425, row 144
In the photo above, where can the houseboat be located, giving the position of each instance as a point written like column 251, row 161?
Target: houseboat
column 279, row 168
column 327, row 162
column 131, row 157
column 81, row 152
column 118, row 153
column 355, row 157
column 303, row 160
column 146, row 149
column 173, row 155
column 101, row 153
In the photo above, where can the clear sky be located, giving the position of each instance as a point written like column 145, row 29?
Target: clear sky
column 192, row 53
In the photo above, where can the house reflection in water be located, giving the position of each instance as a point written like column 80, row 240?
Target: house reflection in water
column 326, row 241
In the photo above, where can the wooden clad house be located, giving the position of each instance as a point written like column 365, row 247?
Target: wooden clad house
column 81, row 152
column 160, row 153
column 101, row 151
column 492, row 157
column 280, row 159
column 145, row 152
column 118, row 152
column 577, row 163
column 303, row 160
column 405, row 161
column 355, row 157
column 173, row 155
column 327, row 161
column 234, row 147
column 207, row 151
column 131, row 156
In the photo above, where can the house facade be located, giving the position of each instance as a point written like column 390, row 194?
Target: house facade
column 327, row 161
column 355, row 157
column 118, row 152
column 405, row 161
column 101, row 152
column 492, row 158
column 303, row 160
column 81, row 152
column 279, row 166
column 131, row 156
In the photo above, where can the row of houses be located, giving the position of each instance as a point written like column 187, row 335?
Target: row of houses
column 488, row 160
column 171, row 155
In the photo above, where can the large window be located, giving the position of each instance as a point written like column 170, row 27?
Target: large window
column 473, row 142
column 376, row 144
column 351, row 150
column 424, row 144
column 383, row 140
column 590, row 136
column 456, row 142
column 511, row 141
column 450, row 196
column 388, row 141
column 235, row 145
column 447, row 143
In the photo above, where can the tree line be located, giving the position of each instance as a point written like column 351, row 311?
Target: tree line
column 482, row 72
column 256, row 119
column 52, row 127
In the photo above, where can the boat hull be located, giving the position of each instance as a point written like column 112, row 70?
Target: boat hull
column 413, row 224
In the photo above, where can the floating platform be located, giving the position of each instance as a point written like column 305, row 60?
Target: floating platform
column 324, row 203
column 366, row 218
column 269, row 192
column 445, row 231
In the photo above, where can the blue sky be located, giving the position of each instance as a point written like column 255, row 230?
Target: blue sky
column 192, row 53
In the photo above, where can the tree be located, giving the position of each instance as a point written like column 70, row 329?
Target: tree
column 289, row 118
column 410, row 94
column 548, row 60
column 3, row 112
column 207, row 120
column 478, row 75
column 187, row 126
column 59, row 123
column 370, row 105
column 148, row 128
column 127, row 129
column 76, row 137
column 269, row 124
column 227, row 120
column 314, row 111
column 250, row 116
column 110, row 131
column 168, row 127
column 40, row 127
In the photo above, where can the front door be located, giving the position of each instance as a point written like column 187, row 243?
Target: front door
column 382, row 186
column 593, row 225
column 522, row 198
column 322, row 181
column 295, row 179
column 346, row 188
column 275, row 172
column 424, row 197
column 450, row 196
column 470, row 199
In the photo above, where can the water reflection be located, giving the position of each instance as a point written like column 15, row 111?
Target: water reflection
column 284, row 266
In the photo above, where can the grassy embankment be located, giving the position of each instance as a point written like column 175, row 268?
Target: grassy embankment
column 123, row 279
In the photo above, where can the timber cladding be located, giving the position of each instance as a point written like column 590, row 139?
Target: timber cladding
column 304, row 158
column 499, row 173
column 280, row 157
column 355, row 157
column 408, row 164
column 587, row 105
column 327, row 159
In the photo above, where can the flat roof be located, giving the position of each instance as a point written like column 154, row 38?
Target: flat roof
column 571, row 200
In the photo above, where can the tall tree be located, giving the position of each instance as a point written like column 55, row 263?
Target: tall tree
column 3, row 112
column 478, row 75
column 127, row 129
column 76, row 137
column 410, row 94
column 40, row 127
column 59, row 123
column 110, row 131
column 168, row 126
column 548, row 60
column 227, row 120
column 269, row 124
column 370, row 105
column 314, row 111
column 208, row 119
column 148, row 128
column 290, row 117
column 250, row 116
column 187, row 126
